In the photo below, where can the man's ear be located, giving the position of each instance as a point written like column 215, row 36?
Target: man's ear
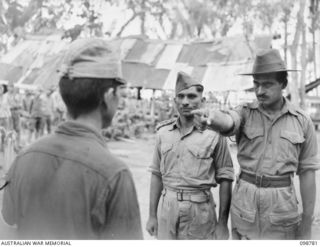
column 109, row 94
column 203, row 100
column 284, row 85
column 175, row 99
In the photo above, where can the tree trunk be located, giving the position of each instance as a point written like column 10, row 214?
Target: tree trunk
column 126, row 24
column 314, row 53
column 143, row 17
column 294, row 85
column 286, row 39
column 303, row 66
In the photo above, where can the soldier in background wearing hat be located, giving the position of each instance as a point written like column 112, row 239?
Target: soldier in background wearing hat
column 188, row 161
column 67, row 185
column 275, row 141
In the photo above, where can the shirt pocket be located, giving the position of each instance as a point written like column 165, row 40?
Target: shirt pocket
column 166, row 153
column 251, row 142
column 289, row 146
column 197, row 162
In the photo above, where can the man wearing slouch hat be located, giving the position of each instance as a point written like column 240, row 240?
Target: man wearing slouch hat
column 275, row 141
column 187, row 162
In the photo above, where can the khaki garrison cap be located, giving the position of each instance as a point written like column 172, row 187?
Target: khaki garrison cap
column 185, row 81
column 92, row 58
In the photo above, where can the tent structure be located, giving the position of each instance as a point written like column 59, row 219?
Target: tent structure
column 150, row 64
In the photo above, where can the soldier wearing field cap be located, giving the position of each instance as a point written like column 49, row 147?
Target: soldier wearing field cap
column 68, row 185
column 276, row 140
column 187, row 162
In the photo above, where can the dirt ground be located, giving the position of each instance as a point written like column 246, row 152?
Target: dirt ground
column 137, row 154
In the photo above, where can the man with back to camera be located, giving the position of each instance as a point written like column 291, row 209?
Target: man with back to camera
column 68, row 185
column 275, row 140
column 187, row 162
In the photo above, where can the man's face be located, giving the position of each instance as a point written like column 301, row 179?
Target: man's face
column 188, row 100
column 109, row 107
column 268, row 90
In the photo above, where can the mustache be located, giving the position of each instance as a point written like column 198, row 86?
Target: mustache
column 262, row 96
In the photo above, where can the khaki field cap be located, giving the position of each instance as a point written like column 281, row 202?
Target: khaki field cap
column 268, row 61
column 92, row 58
column 185, row 81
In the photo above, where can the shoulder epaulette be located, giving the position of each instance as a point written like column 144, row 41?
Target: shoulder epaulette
column 165, row 123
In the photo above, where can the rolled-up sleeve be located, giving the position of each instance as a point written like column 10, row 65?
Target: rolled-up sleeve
column 308, row 159
column 223, row 161
column 154, row 168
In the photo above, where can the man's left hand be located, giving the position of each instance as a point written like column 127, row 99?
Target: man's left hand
column 222, row 232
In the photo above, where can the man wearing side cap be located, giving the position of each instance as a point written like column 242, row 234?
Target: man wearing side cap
column 68, row 185
column 275, row 141
column 188, row 161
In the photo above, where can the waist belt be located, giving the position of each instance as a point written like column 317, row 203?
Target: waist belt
column 192, row 196
column 266, row 181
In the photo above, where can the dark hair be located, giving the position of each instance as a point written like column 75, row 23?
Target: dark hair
column 5, row 88
column 83, row 95
column 282, row 77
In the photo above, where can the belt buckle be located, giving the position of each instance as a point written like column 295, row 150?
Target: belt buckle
column 258, row 181
column 180, row 196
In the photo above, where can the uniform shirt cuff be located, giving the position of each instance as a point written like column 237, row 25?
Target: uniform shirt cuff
column 225, row 173
column 308, row 164
column 154, row 171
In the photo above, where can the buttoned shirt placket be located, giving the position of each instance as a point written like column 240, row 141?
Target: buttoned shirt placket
column 268, row 125
column 181, row 141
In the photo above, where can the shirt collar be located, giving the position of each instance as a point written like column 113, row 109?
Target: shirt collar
column 287, row 107
column 177, row 125
column 74, row 128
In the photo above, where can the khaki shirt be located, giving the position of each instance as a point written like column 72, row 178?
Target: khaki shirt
column 69, row 186
column 197, row 160
column 285, row 144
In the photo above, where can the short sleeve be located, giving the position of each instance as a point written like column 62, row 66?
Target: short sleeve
column 308, row 159
column 154, row 168
column 222, row 160
column 236, row 115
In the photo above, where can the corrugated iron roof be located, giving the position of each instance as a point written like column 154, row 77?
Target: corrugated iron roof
column 10, row 72
column 151, row 63
column 169, row 56
column 156, row 78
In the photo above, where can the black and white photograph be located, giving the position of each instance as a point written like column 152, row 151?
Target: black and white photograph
column 159, row 120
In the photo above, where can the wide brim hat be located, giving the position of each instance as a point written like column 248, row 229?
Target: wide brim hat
column 268, row 61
